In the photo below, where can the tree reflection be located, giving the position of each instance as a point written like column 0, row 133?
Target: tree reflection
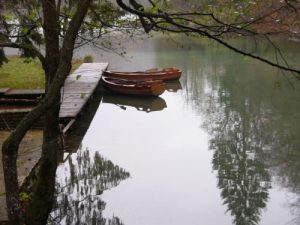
column 78, row 191
column 78, row 182
column 237, row 105
column 285, row 156
column 242, row 174
column 238, row 158
column 253, row 121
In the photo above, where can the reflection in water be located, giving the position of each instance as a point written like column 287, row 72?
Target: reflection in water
column 80, row 184
column 81, row 179
column 146, row 104
column 173, row 86
column 285, row 156
column 79, row 129
column 239, row 156
column 253, row 118
column 245, row 137
column 243, row 177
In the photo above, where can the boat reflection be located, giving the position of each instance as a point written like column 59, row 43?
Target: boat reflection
column 173, row 86
column 148, row 104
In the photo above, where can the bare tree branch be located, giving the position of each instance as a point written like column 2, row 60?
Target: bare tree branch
column 171, row 19
column 23, row 46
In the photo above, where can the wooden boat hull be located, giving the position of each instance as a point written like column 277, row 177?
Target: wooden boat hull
column 134, row 87
column 154, row 74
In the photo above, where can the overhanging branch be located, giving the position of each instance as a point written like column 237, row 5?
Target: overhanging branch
column 203, row 31
column 27, row 47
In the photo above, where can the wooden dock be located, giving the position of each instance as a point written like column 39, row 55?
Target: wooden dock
column 79, row 87
column 4, row 90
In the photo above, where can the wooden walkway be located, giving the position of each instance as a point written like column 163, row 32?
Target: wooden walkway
column 3, row 90
column 79, row 87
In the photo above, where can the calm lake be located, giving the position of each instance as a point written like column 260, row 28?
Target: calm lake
column 222, row 146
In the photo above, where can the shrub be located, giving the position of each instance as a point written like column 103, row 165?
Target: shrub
column 88, row 59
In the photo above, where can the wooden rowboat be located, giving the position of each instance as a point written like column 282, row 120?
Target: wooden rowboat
column 155, row 74
column 134, row 87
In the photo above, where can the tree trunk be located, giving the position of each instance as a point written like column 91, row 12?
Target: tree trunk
column 51, row 106
column 9, row 160
column 51, row 33
column 44, row 188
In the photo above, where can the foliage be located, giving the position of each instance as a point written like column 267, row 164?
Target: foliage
column 21, row 26
column 88, row 59
column 216, row 19
column 24, row 197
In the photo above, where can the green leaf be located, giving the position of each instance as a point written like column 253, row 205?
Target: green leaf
column 27, row 60
column 24, row 196
column 24, row 30
column 82, row 95
column 8, row 16
column 277, row 84
column 32, row 14
column 246, row 58
column 154, row 9
column 78, row 77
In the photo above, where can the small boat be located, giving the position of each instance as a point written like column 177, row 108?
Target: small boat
column 134, row 87
column 155, row 74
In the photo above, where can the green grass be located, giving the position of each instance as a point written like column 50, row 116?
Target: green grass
column 19, row 74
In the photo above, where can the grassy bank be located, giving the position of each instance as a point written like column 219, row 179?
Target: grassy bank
column 19, row 74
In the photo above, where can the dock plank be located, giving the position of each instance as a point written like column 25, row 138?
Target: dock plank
column 79, row 87
column 4, row 90
column 25, row 92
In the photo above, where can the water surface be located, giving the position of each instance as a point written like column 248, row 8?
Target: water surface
column 221, row 148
